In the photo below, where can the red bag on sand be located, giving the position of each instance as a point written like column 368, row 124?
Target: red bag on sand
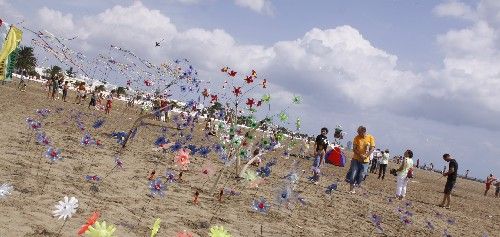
column 336, row 157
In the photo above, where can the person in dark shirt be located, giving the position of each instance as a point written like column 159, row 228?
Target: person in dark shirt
column 450, row 182
column 321, row 145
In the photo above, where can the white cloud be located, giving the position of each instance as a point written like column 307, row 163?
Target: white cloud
column 55, row 20
column 260, row 6
column 454, row 9
column 471, row 68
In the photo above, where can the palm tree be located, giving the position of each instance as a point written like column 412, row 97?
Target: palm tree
column 54, row 71
column 121, row 91
column 100, row 88
column 70, row 72
column 26, row 59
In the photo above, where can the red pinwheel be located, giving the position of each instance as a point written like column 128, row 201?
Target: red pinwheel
column 232, row 73
column 205, row 93
column 237, row 91
column 148, row 83
column 249, row 79
column 89, row 223
column 129, row 82
column 264, row 83
column 224, row 69
column 250, row 102
column 214, row 98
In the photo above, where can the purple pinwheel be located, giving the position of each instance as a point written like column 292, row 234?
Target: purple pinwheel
column 160, row 141
column 450, row 221
column 284, row 196
column 92, row 178
column 43, row 112
column 176, row 147
column 170, row 176
column 204, row 151
column 260, row 205
column 192, row 148
column 264, row 171
column 118, row 162
column 87, row 140
column 41, row 138
column 98, row 123
column 53, row 154
column 218, row 148
column 231, row 192
column 332, row 187
column 33, row 124
column 119, row 136
column 408, row 204
column 405, row 219
column 157, row 187
column 408, row 213
column 377, row 220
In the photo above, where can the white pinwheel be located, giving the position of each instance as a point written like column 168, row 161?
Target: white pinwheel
column 65, row 209
column 5, row 190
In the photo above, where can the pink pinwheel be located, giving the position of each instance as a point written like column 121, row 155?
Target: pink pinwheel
column 182, row 158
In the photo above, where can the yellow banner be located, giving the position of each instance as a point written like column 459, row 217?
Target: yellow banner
column 10, row 44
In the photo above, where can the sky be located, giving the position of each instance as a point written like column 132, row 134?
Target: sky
column 420, row 75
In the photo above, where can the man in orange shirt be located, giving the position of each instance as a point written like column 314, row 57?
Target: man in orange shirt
column 363, row 146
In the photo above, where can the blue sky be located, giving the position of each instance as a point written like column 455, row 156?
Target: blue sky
column 420, row 74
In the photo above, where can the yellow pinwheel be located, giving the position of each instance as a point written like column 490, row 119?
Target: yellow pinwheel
column 218, row 231
column 100, row 229
column 156, row 227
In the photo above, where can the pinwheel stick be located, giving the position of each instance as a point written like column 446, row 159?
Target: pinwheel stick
column 60, row 229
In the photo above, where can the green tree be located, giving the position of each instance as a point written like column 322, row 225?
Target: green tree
column 100, row 88
column 121, row 90
column 26, row 59
column 70, row 72
column 53, row 72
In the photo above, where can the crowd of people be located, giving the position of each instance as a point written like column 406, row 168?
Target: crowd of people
column 367, row 159
column 57, row 88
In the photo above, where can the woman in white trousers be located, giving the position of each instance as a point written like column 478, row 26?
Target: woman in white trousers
column 402, row 174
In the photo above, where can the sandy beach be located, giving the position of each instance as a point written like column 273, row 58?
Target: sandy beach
column 123, row 196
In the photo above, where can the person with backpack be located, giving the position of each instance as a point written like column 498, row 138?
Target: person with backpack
column 404, row 173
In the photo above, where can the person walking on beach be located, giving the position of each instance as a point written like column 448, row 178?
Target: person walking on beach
column 55, row 88
column 383, row 164
column 109, row 102
column 65, row 91
column 451, row 179
column 48, row 85
column 402, row 174
column 93, row 100
column 489, row 181
column 363, row 146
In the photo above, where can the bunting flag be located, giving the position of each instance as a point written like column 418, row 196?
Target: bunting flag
column 9, row 45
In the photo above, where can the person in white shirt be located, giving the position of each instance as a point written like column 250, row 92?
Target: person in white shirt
column 383, row 164
column 402, row 174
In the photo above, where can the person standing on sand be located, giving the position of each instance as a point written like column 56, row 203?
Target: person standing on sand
column 321, row 146
column 450, row 182
column 109, row 102
column 65, row 91
column 489, row 181
column 363, row 146
column 383, row 164
column 402, row 174
column 55, row 88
